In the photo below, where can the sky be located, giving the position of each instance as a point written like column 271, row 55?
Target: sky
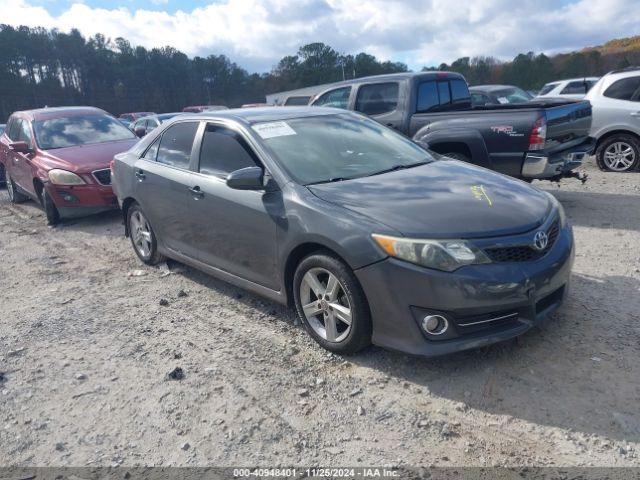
column 257, row 33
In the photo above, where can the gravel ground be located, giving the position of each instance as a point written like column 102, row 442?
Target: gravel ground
column 89, row 338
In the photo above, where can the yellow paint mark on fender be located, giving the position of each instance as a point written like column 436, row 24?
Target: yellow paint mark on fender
column 481, row 194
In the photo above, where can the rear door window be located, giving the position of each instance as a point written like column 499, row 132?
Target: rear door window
column 377, row 99
column 459, row 91
column 575, row 88
column 625, row 89
column 479, row 99
column 427, row 96
column 338, row 98
column 435, row 94
column 297, row 101
column 176, row 144
column 224, row 151
column 443, row 91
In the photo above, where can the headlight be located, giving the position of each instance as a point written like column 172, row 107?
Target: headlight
column 63, row 177
column 560, row 209
column 447, row 255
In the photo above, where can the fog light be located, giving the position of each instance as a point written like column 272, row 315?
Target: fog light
column 435, row 324
column 67, row 197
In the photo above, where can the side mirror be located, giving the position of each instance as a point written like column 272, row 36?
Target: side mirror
column 250, row 178
column 20, row 147
column 140, row 132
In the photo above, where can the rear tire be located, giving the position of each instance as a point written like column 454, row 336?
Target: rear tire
column 50, row 209
column 2, row 175
column 15, row 196
column 618, row 153
column 331, row 304
column 142, row 236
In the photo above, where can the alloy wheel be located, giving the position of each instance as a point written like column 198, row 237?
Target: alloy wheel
column 326, row 305
column 140, row 233
column 619, row 156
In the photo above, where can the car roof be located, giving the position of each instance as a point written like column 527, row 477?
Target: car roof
column 390, row 77
column 491, row 88
column 577, row 79
column 262, row 114
column 58, row 112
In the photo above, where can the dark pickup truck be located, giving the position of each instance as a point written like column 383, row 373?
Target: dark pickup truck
column 542, row 139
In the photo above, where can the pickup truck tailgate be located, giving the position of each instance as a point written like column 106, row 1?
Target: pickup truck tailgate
column 568, row 124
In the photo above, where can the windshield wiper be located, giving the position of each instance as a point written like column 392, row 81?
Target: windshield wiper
column 397, row 167
column 330, row 180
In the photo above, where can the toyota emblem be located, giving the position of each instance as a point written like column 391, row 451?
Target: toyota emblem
column 540, row 241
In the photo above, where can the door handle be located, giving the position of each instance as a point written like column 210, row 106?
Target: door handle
column 140, row 175
column 196, row 192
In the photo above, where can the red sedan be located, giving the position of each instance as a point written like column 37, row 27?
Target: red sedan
column 60, row 158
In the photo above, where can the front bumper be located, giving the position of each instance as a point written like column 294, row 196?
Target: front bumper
column 81, row 200
column 473, row 299
column 546, row 166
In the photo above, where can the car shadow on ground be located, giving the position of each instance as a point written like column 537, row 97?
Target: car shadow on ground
column 600, row 210
column 576, row 372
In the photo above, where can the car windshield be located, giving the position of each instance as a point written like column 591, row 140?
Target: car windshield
column 512, row 95
column 79, row 130
column 338, row 147
column 547, row 88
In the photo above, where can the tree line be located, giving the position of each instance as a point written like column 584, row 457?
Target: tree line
column 40, row 67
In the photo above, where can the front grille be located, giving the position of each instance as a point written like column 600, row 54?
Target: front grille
column 483, row 322
column 103, row 177
column 523, row 253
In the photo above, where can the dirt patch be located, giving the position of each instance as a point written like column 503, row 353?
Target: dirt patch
column 88, row 336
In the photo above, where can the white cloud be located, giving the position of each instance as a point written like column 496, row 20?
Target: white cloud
column 257, row 33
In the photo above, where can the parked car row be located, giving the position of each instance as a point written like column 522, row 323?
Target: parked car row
column 365, row 232
column 368, row 234
column 347, row 213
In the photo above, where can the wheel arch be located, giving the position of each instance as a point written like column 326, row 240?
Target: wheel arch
column 126, row 205
column 617, row 131
column 294, row 258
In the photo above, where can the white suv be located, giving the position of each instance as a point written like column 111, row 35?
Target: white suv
column 574, row 88
column 616, row 119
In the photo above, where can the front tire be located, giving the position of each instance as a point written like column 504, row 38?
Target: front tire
column 331, row 304
column 50, row 210
column 143, row 238
column 618, row 153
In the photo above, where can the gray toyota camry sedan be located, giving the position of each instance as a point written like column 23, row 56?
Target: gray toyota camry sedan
column 372, row 238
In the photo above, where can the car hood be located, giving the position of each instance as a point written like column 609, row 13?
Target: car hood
column 86, row 158
column 442, row 199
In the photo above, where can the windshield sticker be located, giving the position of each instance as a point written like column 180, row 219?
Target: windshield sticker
column 481, row 194
column 503, row 100
column 274, row 129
